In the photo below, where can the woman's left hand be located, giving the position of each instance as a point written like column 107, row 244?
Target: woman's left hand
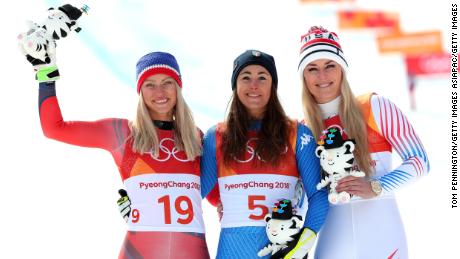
column 359, row 186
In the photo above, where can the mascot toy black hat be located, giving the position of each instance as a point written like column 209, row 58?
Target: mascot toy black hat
column 283, row 210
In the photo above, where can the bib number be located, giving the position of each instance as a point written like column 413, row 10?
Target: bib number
column 182, row 207
column 252, row 205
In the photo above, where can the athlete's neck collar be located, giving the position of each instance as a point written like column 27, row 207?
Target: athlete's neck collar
column 164, row 125
column 255, row 124
column 331, row 108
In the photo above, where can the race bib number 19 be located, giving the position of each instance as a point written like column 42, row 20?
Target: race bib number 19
column 187, row 212
column 165, row 202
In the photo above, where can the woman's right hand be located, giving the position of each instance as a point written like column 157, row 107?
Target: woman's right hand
column 40, row 52
column 220, row 210
column 124, row 204
column 358, row 186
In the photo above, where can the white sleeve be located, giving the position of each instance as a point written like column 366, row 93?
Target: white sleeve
column 398, row 131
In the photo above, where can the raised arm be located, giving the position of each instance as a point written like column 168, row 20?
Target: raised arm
column 107, row 134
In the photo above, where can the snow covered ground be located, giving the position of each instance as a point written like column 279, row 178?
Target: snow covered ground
column 59, row 200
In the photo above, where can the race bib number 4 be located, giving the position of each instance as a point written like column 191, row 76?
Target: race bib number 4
column 165, row 202
column 246, row 199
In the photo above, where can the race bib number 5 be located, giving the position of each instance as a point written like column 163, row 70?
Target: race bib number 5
column 255, row 207
column 246, row 199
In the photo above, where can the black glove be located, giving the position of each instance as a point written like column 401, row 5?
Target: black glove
column 124, row 204
column 299, row 247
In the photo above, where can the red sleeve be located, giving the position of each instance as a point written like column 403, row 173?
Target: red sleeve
column 107, row 134
column 214, row 196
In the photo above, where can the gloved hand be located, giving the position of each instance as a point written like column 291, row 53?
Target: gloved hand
column 40, row 50
column 269, row 250
column 124, row 204
column 304, row 244
column 38, row 44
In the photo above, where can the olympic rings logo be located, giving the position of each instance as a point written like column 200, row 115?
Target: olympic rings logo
column 167, row 152
column 252, row 153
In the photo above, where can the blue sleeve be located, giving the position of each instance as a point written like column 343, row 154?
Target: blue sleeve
column 309, row 169
column 208, row 162
column 46, row 90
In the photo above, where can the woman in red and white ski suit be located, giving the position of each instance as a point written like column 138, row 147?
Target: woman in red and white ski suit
column 157, row 155
column 369, row 226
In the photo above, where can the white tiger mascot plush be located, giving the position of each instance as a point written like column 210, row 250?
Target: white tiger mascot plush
column 336, row 159
column 283, row 230
column 39, row 42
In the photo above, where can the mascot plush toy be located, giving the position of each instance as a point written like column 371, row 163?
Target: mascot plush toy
column 284, row 230
column 336, row 159
column 39, row 42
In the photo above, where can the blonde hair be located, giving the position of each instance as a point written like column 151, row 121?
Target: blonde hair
column 186, row 134
column 351, row 117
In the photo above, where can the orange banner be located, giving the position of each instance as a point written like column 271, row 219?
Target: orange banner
column 411, row 43
column 428, row 64
column 368, row 19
